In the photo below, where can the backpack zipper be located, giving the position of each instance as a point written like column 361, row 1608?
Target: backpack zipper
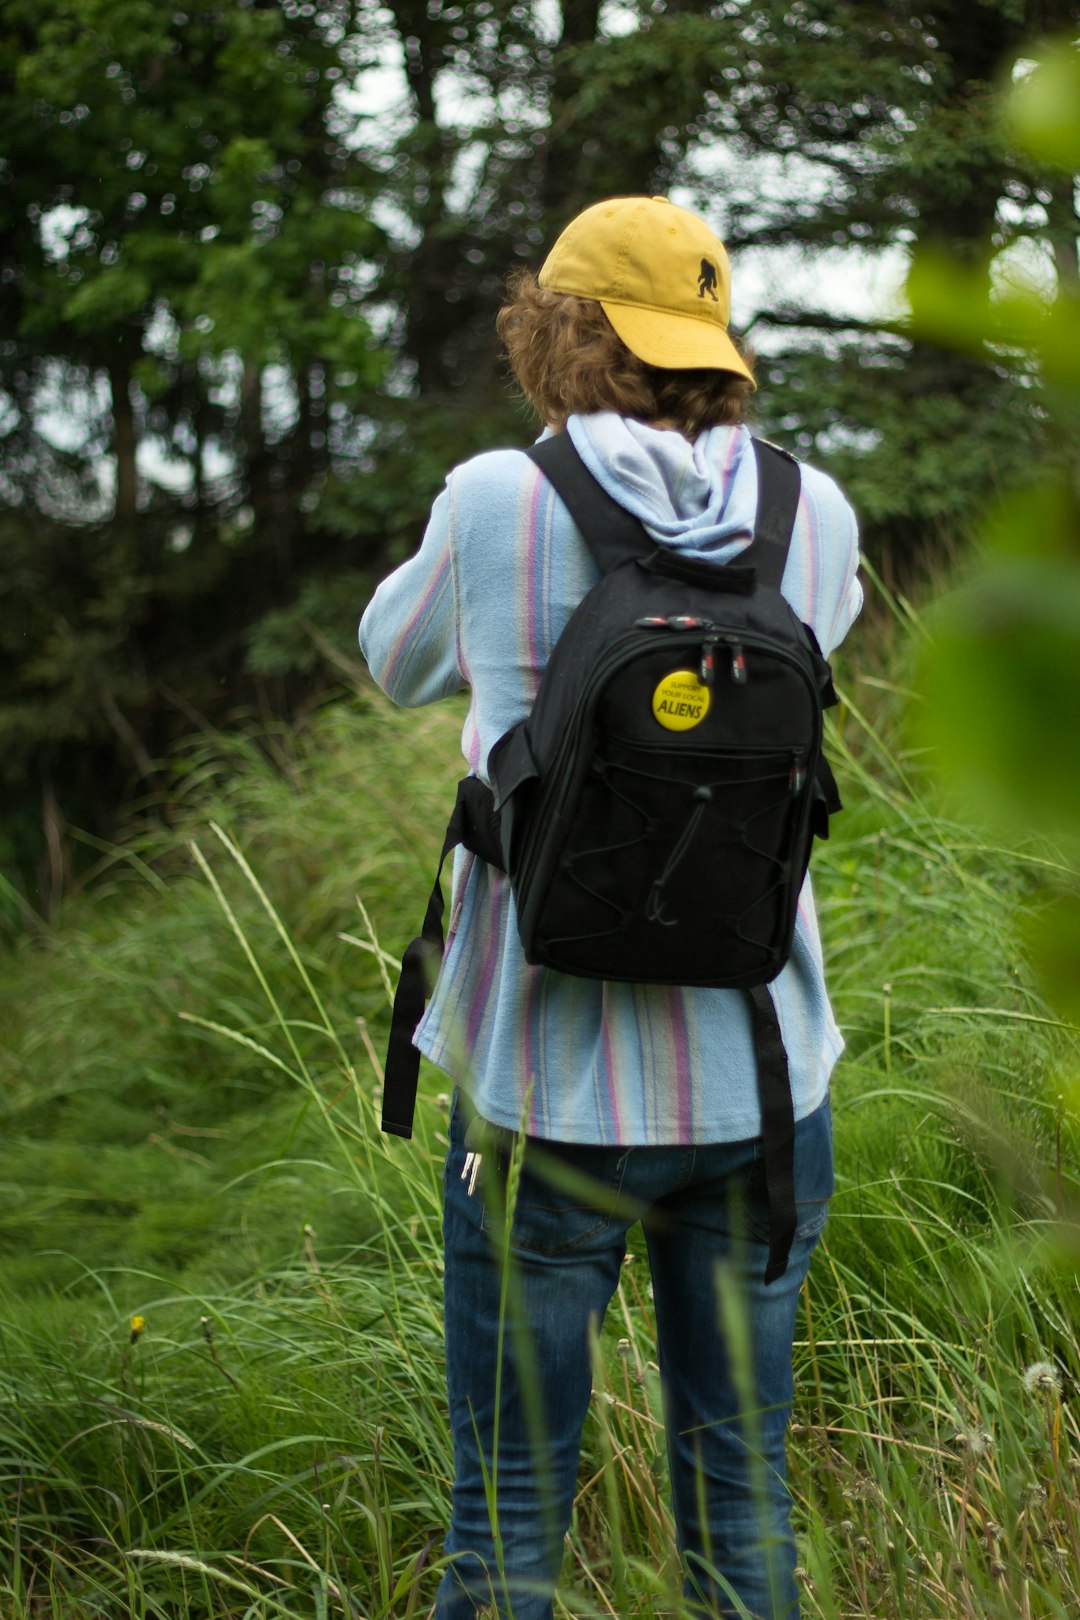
column 713, row 635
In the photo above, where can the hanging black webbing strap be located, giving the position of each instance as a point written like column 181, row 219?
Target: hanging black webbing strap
column 470, row 824
column 777, row 1127
column 779, row 488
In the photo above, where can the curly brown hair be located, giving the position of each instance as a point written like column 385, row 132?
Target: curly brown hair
column 567, row 358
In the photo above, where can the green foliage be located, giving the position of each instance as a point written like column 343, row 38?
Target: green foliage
column 144, row 1136
column 246, row 314
column 185, row 227
column 958, row 307
column 1003, row 674
column 1002, row 667
column 186, row 1081
column 310, row 633
column 190, row 1144
column 1041, row 111
column 944, row 441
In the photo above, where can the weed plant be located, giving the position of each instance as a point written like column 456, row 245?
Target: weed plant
column 221, row 1382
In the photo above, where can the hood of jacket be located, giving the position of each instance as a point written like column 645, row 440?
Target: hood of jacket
column 697, row 497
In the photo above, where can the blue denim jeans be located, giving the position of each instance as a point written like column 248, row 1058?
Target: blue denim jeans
column 705, row 1217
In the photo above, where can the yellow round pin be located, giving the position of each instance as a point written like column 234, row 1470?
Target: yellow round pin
column 680, row 701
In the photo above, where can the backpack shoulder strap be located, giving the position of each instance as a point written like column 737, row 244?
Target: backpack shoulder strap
column 779, row 488
column 608, row 529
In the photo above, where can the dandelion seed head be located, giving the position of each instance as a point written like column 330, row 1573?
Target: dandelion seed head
column 974, row 1442
column 1042, row 1378
column 623, row 1347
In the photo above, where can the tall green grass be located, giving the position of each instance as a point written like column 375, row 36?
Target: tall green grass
column 189, row 1086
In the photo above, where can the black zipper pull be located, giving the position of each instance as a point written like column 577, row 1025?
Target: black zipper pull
column 707, row 672
column 738, row 664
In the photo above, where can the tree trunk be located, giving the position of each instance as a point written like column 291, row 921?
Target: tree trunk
column 568, row 147
column 57, row 866
column 124, row 442
column 256, row 458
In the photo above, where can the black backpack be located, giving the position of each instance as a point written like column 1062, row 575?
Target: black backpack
column 656, row 810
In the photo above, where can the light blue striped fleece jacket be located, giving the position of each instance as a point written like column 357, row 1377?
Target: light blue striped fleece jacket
column 481, row 604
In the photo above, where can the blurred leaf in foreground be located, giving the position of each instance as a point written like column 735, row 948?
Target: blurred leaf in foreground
column 1053, row 942
column 1001, row 672
column 1003, row 675
column 956, row 306
column 1042, row 114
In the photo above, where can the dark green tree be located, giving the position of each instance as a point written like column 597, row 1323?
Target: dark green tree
column 887, row 122
column 208, row 216
column 184, row 358
column 808, row 126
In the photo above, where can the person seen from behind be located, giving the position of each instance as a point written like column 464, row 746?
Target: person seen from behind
column 635, row 1101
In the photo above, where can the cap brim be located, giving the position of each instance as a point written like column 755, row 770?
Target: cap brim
column 675, row 342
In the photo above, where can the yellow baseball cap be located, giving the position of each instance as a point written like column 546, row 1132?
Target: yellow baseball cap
column 660, row 275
